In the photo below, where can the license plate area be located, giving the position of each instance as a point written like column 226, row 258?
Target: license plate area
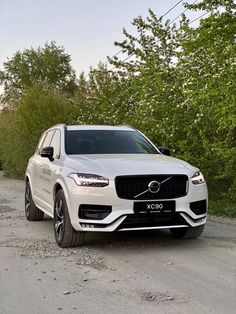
column 154, row 207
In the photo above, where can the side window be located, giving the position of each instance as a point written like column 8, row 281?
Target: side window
column 47, row 139
column 56, row 144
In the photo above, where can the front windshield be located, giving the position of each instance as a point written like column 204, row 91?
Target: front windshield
column 107, row 142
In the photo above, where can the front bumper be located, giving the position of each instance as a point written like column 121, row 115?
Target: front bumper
column 122, row 216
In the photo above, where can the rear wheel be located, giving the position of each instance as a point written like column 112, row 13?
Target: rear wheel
column 65, row 234
column 187, row 233
column 32, row 213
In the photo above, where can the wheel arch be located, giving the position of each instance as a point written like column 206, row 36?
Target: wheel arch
column 59, row 185
column 28, row 179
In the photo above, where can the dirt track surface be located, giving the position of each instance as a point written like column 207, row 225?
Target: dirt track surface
column 141, row 272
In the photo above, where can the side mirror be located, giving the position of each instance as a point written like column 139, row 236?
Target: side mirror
column 47, row 152
column 164, row 151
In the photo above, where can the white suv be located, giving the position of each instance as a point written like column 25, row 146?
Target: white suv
column 111, row 178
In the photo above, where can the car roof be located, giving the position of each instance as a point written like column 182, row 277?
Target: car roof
column 99, row 127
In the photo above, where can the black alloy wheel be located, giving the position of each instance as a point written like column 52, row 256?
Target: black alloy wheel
column 59, row 220
column 65, row 234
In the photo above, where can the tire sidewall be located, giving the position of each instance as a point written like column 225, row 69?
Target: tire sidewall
column 27, row 186
column 60, row 195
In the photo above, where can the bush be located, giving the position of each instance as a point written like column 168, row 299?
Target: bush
column 21, row 128
column 10, row 144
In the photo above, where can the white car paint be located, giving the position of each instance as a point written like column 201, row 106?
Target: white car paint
column 45, row 175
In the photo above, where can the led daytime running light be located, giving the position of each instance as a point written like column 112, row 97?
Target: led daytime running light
column 93, row 180
column 198, row 178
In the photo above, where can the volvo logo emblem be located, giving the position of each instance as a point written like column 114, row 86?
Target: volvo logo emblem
column 154, row 186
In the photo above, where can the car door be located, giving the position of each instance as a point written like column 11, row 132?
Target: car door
column 50, row 170
column 33, row 167
column 43, row 175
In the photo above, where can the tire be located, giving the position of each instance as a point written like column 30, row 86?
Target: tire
column 32, row 213
column 187, row 233
column 65, row 234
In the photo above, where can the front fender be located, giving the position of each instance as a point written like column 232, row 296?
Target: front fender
column 65, row 190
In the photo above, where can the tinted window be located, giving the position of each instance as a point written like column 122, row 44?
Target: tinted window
column 48, row 139
column 107, row 142
column 56, row 144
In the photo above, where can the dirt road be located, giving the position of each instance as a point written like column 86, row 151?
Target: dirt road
column 141, row 272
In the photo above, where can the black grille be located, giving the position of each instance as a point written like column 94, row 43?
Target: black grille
column 129, row 186
column 152, row 220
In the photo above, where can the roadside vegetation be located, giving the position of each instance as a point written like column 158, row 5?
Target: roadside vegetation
column 176, row 84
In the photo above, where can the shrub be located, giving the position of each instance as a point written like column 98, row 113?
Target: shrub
column 21, row 128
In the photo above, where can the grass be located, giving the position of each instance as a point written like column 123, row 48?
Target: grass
column 222, row 208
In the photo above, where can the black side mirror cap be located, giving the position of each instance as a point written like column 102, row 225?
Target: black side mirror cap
column 47, row 152
column 164, row 151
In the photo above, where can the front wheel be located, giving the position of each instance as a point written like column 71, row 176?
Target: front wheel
column 187, row 233
column 65, row 234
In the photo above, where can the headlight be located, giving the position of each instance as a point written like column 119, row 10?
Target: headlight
column 198, row 178
column 86, row 179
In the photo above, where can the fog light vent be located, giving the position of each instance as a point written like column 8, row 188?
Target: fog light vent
column 96, row 212
column 199, row 207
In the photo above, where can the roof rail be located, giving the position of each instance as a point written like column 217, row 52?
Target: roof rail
column 58, row 125
column 128, row 126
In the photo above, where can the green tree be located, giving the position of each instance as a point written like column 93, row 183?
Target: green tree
column 152, row 78
column 49, row 65
column 207, row 70
column 101, row 99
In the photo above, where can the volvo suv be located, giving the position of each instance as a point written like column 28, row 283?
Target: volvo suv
column 111, row 178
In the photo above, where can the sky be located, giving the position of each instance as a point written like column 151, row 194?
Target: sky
column 86, row 28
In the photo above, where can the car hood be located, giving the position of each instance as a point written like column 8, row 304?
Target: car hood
column 111, row 166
